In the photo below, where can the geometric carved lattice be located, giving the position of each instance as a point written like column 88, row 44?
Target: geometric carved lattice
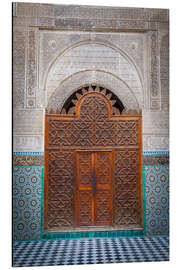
column 103, row 207
column 99, row 146
column 126, row 186
column 85, row 208
column 103, row 188
column 94, row 133
column 84, row 194
column 60, row 189
column 85, row 169
column 94, row 188
column 93, row 128
column 103, row 165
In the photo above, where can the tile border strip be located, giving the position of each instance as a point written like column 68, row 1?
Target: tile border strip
column 28, row 153
column 145, row 153
column 150, row 153
column 53, row 239
column 37, row 158
column 80, row 235
column 157, row 160
column 28, row 160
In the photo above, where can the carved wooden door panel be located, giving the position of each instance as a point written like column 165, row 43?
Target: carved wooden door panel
column 103, row 184
column 93, row 164
column 84, row 189
column 93, row 188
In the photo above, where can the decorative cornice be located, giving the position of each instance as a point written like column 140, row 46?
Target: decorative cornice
column 91, row 18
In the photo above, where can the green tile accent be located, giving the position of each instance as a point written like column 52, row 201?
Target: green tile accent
column 91, row 234
column 78, row 235
column 42, row 198
column 144, row 197
column 155, row 166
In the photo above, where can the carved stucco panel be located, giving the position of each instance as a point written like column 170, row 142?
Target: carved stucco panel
column 97, row 57
column 155, row 142
column 155, row 104
column 28, row 122
column 32, row 68
column 34, row 10
column 155, row 131
column 164, row 71
column 23, row 143
column 19, row 58
column 108, row 80
column 56, row 43
column 28, row 130
column 155, row 122
column 115, row 13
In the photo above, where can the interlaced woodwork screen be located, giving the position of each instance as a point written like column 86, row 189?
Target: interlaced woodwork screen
column 93, row 163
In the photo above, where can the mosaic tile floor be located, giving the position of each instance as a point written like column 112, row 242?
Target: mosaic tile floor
column 90, row 251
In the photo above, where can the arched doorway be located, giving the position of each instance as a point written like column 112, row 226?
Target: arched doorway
column 93, row 164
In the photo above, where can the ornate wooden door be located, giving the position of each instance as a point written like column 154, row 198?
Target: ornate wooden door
column 93, row 161
column 94, row 188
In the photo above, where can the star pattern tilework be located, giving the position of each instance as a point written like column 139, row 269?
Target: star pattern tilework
column 157, row 200
column 26, row 203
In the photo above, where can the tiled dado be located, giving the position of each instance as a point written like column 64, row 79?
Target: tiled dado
column 157, row 200
column 28, row 181
column 27, row 202
column 28, row 186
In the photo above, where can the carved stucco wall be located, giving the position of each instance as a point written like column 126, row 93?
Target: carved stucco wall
column 98, row 57
column 56, row 49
